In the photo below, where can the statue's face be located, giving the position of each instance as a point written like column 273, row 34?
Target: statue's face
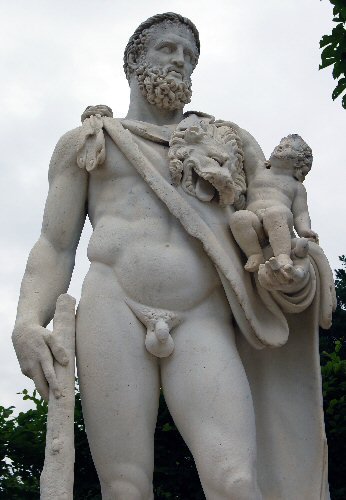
column 204, row 164
column 210, row 154
column 290, row 155
column 164, row 69
column 172, row 48
column 285, row 154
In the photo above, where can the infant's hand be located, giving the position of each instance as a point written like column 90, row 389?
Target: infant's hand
column 310, row 234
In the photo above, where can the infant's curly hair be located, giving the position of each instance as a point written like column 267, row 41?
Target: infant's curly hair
column 304, row 156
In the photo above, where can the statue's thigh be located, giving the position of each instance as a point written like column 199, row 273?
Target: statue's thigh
column 208, row 394
column 119, row 382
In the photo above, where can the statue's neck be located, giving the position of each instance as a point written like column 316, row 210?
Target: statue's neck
column 140, row 109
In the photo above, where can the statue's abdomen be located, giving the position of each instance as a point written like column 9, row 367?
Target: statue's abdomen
column 154, row 261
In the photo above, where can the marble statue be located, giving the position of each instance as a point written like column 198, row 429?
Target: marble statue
column 167, row 302
column 276, row 201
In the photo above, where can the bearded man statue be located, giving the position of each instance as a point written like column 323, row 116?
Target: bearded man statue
column 167, row 303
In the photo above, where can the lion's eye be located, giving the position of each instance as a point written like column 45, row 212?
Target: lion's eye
column 219, row 160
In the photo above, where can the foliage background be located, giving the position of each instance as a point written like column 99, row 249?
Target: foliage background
column 22, row 437
column 334, row 49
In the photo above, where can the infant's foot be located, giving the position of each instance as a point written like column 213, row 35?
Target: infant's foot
column 254, row 262
column 284, row 260
column 280, row 261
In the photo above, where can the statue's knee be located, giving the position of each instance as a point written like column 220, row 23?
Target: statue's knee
column 241, row 486
column 235, row 484
column 240, row 219
column 122, row 490
column 274, row 215
column 125, row 485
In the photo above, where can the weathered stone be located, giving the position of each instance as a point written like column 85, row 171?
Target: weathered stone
column 166, row 278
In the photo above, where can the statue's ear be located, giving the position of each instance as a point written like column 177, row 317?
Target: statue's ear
column 131, row 61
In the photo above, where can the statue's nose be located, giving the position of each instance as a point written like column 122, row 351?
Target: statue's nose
column 178, row 62
column 178, row 58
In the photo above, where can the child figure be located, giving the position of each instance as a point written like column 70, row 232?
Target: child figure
column 276, row 202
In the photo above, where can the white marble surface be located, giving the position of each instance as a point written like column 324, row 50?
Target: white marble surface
column 169, row 252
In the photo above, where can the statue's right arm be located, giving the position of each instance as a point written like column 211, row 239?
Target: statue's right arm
column 50, row 265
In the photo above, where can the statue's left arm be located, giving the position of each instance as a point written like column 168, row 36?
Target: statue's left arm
column 300, row 211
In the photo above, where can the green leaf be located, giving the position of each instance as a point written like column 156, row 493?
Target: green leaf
column 341, row 86
column 168, row 427
column 338, row 34
column 344, row 101
column 339, row 69
column 328, row 52
column 326, row 63
column 325, row 40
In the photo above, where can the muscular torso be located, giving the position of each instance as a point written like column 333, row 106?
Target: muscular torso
column 154, row 260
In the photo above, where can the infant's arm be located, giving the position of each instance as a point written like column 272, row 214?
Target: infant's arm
column 300, row 211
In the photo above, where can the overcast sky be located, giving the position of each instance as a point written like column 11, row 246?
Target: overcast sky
column 258, row 67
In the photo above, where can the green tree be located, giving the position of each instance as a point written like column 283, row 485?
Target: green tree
column 337, row 331
column 22, row 443
column 334, row 49
column 334, row 402
column 22, row 450
column 333, row 367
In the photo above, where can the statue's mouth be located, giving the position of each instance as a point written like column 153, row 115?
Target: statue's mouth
column 196, row 185
column 207, row 180
column 206, row 159
column 175, row 74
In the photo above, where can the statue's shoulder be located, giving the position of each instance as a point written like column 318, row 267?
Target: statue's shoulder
column 245, row 136
column 253, row 154
column 68, row 140
column 250, row 145
column 65, row 152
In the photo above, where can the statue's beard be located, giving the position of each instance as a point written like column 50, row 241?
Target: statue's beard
column 161, row 90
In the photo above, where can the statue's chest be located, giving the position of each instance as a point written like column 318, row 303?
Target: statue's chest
column 118, row 166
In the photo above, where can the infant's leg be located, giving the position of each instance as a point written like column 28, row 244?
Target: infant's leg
column 278, row 224
column 247, row 230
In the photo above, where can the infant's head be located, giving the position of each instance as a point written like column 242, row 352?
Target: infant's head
column 293, row 148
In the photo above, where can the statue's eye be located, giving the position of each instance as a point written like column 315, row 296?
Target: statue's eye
column 166, row 48
column 218, row 160
column 189, row 56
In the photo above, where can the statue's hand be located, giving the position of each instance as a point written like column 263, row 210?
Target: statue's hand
column 36, row 348
column 310, row 234
column 99, row 109
column 289, row 278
